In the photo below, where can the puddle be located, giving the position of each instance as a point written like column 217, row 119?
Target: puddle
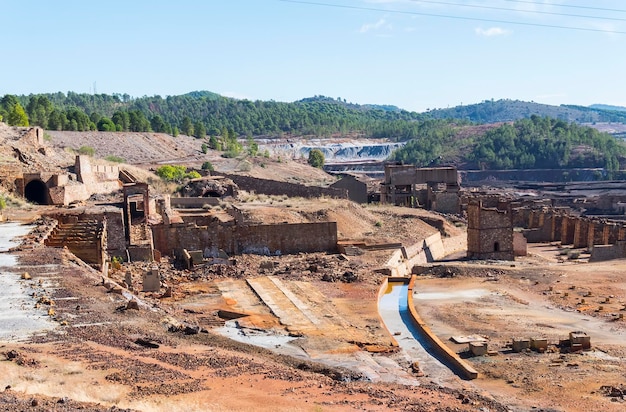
column 268, row 340
column 18, row 317
column 9, row 232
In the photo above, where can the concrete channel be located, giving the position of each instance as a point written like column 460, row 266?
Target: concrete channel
column 417, row 342
column 18, row 317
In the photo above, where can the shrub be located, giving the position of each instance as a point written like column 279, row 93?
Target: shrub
column 316, row 158
column 176, row 174
column 208, row 166
column 87, row 150
column 3, row 203
column 115, row 159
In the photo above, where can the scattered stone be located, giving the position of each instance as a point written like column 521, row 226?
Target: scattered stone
column 26, row 276
column 12, row 354
column 147, row 343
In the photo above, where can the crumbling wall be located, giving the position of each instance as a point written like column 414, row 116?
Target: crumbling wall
column 447, row 202
column 256, row 239
column 520, row 244
column 608, row 252
column 276, row 188
column 357, row 190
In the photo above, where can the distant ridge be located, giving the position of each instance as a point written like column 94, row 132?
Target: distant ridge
column 505, row 110
column 608, row 107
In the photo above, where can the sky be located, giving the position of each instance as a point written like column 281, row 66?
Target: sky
column 417, row 55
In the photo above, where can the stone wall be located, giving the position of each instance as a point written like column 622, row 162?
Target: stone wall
column 277, row 188
column 520, row 244
column 254, row 239
column 608, row 252
column 193, row 202
column 555, row 224
column 447, row 202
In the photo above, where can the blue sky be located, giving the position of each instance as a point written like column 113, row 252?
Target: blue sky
column 413, row 54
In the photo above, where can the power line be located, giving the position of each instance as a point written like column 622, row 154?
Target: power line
column 518, row 11
column 447, row 16
column 568, row 6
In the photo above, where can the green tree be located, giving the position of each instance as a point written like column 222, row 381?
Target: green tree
column 39, row 109
column 7, row 103
column 158, row 124
column 205, row 148
column 106, row 125
column 253, row 147
column 208, row 166
column 121, row 120
column 213, row 143
column 200, row 130
column 17, row 116
column 316, row 158
column 186, row 127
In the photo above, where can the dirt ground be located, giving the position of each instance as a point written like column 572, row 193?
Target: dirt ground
column 170, row 351
column 167, row 355
column 226, row 339
column 539, row 296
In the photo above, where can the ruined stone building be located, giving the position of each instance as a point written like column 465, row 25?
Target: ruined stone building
column 356, row 187
column 434, row 188
column 54, row 188
column 489, row 230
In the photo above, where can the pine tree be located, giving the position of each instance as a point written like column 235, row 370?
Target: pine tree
column 17, row 116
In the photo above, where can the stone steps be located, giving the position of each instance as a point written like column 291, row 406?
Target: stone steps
column 82, row 238
column 290, row 315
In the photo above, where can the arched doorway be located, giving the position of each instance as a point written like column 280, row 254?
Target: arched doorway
column 36, row 192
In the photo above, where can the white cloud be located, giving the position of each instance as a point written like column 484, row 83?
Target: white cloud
column 380, row 24
column 492, row 31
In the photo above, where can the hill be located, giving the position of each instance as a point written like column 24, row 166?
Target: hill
column 204, row 113
column 535, row 143
column 506, row 110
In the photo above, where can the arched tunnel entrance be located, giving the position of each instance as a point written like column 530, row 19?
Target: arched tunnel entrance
column 36, row 191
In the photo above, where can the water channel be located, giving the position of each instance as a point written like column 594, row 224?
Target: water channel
column 393, row 309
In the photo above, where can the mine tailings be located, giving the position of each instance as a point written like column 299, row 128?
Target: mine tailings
column 18, row 318
column 397, row 310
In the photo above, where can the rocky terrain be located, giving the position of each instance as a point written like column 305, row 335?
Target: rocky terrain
column 208, row 341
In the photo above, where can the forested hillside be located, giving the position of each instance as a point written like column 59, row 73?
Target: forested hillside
column 535, row 143
column 491, row 111
column 202, row 113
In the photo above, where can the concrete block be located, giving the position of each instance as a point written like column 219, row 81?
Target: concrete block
column 580, row 338
column 539, row 344
column 196, row 256
column 478, row 348
column 519, row 344
column 151, row 281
